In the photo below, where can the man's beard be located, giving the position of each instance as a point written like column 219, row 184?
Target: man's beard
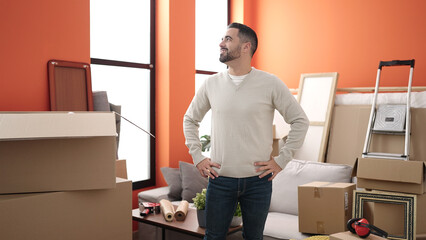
column 230, row 55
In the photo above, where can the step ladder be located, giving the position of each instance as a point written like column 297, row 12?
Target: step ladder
column 390, row 119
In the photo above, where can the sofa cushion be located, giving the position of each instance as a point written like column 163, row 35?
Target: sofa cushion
column 174, row 181
column 192, row 181
column 283, row 226
column 298, row 172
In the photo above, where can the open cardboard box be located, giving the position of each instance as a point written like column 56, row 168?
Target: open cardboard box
column 57, row 151
column 391, row 175
column 396, row 176
column 121, row 168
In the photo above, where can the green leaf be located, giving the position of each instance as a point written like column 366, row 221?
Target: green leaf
column 238, row 212
column 205, row 143
column 200, row 200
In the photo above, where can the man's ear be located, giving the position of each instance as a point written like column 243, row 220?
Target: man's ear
column 247, row 47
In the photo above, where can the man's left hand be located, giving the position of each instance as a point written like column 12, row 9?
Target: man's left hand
column 268, row 167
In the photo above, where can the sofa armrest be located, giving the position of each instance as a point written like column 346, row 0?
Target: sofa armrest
column 154, row 195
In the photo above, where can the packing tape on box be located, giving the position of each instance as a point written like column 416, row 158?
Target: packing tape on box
column 318, row 190
column 167, row 209
column 320, row 227
column 182, row 210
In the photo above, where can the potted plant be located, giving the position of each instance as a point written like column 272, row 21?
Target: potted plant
column 200, row 204
column 205, row 143
column 237, row 220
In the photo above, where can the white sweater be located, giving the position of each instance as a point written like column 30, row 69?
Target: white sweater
column 241, row 131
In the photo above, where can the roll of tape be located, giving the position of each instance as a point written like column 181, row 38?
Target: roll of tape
column 157, row 208
column 153, row 207
column 141, row 207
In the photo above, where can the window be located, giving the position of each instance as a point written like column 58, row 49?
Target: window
column 208, row 35
column 122, row 58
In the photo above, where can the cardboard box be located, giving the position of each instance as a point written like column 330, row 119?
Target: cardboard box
column 350, row 236
column 324, row 207
column 121, row 169
column 349, row 129
column 275, row 142
column 275, row 147
column 56, row 151
column 390, row 217
column 394, row 175
column 96, row 214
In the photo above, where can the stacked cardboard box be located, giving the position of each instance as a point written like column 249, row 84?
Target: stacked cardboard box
column 347, row 137
column 395, row 176
column 57, row 177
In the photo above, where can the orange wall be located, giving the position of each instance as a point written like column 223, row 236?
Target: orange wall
column 175, row 79
column 32, row 33
column 348, row 37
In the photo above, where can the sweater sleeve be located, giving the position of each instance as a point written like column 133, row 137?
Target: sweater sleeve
column 195, row 113
column 294, row 115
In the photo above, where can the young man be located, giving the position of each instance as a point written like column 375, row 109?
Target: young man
column 242, row 100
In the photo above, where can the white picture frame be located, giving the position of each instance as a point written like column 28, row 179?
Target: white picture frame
column 316, row 96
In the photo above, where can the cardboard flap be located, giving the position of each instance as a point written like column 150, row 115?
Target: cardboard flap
column 121, row 168
column 391, row 170
column 38, row 125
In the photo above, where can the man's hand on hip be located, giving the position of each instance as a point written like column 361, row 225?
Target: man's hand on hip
column 206, row 170
column 268, row 167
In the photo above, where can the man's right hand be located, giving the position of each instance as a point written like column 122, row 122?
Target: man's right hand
column 206, row 170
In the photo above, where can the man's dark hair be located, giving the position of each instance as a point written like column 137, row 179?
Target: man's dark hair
column 246, row 34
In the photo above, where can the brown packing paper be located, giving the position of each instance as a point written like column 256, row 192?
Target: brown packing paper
column 349, row 127
column 182, row 210
column 167, row 209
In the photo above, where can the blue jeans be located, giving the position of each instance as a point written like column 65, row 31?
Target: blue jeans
column 223, row 194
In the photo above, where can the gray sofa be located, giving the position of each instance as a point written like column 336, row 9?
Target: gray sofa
column 282, row 221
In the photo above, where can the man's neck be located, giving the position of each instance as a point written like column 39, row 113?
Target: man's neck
column 239, row 69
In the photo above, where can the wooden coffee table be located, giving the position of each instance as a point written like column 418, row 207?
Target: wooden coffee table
column 188, row 226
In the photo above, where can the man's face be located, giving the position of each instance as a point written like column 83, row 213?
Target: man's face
column 230, row 47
